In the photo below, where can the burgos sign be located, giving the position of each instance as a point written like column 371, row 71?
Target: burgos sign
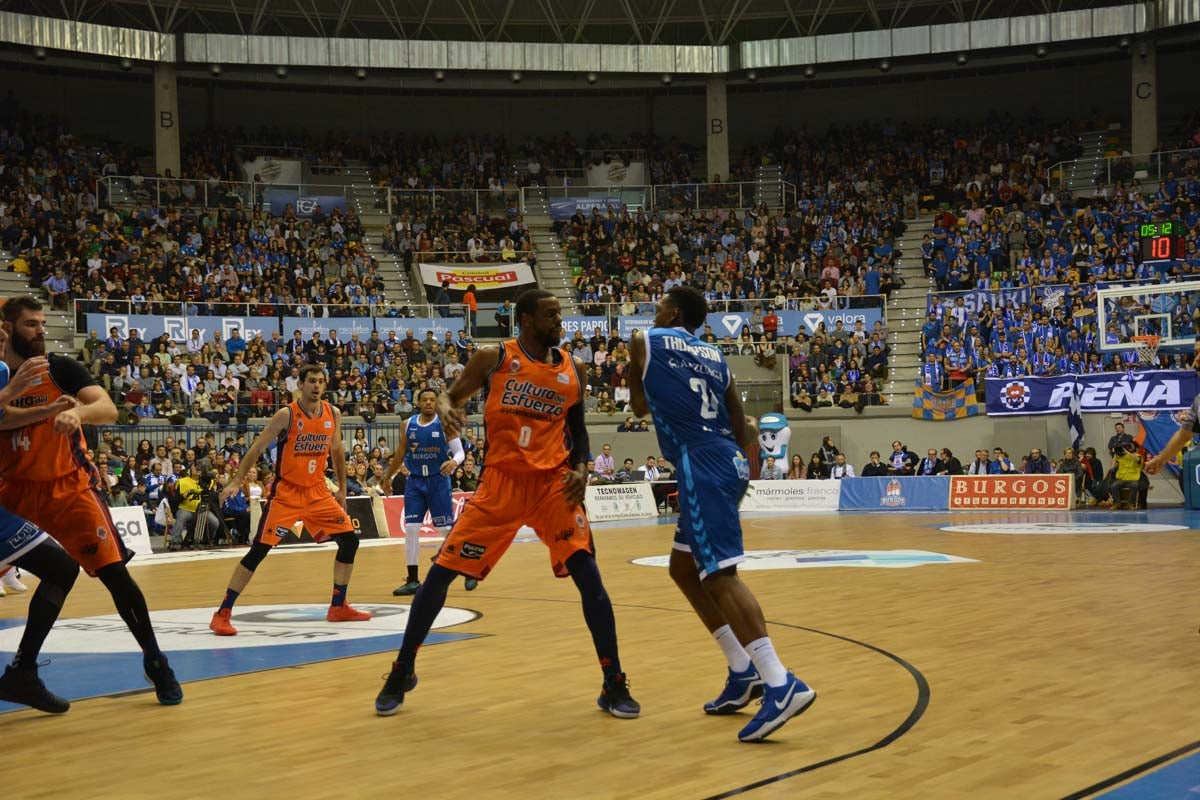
column 1010, row 491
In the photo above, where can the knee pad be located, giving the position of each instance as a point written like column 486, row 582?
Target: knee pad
column 258, row 551
column 347, row 545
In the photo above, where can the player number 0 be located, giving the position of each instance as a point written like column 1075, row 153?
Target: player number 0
column 524, row 436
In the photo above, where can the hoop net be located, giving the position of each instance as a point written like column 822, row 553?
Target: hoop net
column 1147, row 348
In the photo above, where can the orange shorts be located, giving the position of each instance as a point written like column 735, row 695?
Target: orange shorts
column 314, row 506
column 503, row 503
column 73, row 513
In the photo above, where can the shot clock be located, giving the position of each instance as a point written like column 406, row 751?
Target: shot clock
column 1161, row 241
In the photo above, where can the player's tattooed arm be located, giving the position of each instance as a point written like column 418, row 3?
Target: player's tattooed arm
column 637, row 365
column 581, row 447
column 743, row 433
column 470, row 381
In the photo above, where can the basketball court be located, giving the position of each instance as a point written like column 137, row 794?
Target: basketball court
column 1017, row 655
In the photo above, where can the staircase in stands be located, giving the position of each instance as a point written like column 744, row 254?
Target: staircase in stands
column 60, row 325
column 768, row 186
column 370, row 203
column 906, row 313
column 1083, row 173
column 554, row 268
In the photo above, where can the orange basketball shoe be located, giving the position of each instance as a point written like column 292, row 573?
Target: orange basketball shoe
column 345, row 613
column 220, row 624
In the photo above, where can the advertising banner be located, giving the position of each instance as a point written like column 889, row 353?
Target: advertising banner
column 1010, row 491
column 925, row 493
column 393, row 509
column 730, row 323
column 346, row 327
column 419, row 326
column 957, row 403
column 362, row 516
column 496, row 276
column 620, row 501
column 793, row 496
column 588, row 326
column 563, row 208
column 627, row 325
column 1157, row 390
column 132, row 527
column 276, row 201
column 179, row 328
column 273, row 170
column 617, row 173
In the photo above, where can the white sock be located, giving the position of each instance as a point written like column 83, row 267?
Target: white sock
column 762, row 653
column 735, row 654
column 412, row 542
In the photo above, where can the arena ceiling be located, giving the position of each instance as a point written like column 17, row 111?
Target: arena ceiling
column 692, row 22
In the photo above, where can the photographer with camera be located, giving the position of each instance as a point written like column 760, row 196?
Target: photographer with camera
column 1126, row 487
column 196, row 491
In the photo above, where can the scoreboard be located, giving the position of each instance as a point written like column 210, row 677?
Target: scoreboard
column 1162, row 241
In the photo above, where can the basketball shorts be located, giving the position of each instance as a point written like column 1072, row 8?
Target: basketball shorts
column 430, row 495
column 712, row 481
column 74, row 514
column 17, row 537
column 314, row 506
column 503, row 503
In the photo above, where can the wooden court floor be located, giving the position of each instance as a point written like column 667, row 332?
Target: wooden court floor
column 1047, row 665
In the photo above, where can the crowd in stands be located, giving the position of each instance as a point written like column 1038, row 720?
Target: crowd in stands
column 234, row 380
column 454, row 232
column 1059, row 251
column 417, row 164
column 173, row 480
column 1123, row 483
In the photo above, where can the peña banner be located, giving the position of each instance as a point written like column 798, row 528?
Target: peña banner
column 1156, row 390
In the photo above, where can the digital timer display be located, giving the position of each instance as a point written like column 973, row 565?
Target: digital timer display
column 1150, row 229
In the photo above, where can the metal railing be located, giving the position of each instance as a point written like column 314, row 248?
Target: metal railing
column 1108, row 170
column 679, row 196
column 184, row 436
column 398, row 199
column 121, row 190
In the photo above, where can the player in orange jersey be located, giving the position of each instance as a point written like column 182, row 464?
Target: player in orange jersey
column 536, row 475
column 308, row 432
column 46, row 478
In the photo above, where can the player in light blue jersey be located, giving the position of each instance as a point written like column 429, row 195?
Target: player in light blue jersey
column 427, row 459
column 687, row 387
column 27, row 546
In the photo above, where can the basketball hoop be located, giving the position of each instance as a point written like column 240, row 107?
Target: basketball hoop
column 1147, row 348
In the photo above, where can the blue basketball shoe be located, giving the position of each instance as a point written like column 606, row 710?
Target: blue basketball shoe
column 616, row 700
column 400, row 680
column 740, row 689
column 779, row 704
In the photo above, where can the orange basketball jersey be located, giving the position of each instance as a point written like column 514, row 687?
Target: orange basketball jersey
column 303, row 449
column 36, row 452
column 525, row 415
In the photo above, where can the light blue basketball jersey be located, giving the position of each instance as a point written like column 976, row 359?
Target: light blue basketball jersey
column 3, row 374
column 685, row 382
column 427, row 447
